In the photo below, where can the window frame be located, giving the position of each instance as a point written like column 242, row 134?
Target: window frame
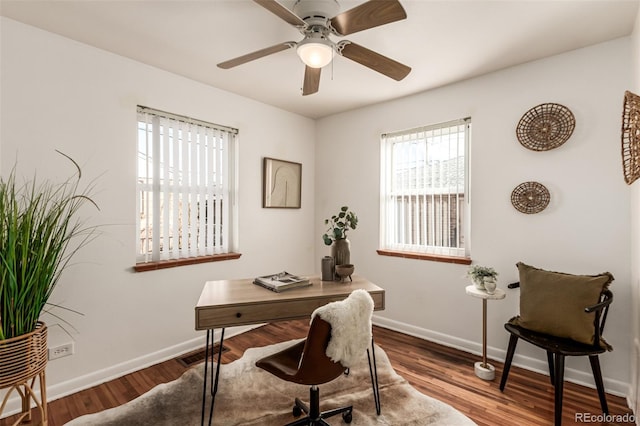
column 193, row 167
column 421, row 251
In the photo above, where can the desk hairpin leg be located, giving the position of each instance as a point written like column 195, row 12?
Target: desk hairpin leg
column 373, row 372
column 214, row 380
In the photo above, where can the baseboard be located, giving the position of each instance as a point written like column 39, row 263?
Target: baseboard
column 614, row 387
column 633, row 400
column 60, row 390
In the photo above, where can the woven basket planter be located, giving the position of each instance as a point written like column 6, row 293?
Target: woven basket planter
column 23, row 360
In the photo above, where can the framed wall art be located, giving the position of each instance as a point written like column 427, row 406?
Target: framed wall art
column 281, row 184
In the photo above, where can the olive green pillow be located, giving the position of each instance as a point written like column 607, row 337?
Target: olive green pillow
column 553, row 302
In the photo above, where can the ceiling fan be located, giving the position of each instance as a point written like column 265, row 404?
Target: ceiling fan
column 317, row 20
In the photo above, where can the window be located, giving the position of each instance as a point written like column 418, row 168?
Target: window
column 424, row 202
column 185, row 186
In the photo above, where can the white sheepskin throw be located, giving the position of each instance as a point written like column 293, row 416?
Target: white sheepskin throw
column 350, row 321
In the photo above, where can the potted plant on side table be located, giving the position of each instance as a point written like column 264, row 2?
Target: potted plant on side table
column 39, row 234
column 483, row 277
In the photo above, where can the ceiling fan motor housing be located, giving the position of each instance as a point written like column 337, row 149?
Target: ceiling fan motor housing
column 316, row 12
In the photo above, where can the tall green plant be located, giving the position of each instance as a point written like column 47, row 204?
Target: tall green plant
column 39, row 234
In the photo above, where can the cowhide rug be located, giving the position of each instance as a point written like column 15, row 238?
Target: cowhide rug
column 248, row 395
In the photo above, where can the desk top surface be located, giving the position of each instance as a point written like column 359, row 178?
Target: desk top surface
column 227, row 303
column 243, row 291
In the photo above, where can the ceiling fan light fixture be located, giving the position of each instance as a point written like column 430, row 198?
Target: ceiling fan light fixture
column 315, row 52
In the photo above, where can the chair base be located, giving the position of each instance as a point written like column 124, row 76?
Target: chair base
column 314, row 416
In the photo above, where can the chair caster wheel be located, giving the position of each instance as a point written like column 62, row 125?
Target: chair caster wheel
column 297, row 411
column 347, row 417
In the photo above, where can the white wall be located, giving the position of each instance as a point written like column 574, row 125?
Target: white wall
column 634, row 393
column 584, row 230
column 59, row 94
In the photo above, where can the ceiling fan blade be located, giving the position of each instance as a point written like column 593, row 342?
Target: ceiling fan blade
column 368, row 15
column 311, row 81
column 373, row 60
column 281, row 12
column 256, row 55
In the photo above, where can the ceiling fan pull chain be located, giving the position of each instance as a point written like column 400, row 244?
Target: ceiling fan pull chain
column 334, row 55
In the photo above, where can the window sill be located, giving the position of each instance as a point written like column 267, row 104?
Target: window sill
column 424, row 256
column 163, row 264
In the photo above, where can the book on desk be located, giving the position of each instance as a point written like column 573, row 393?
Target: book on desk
column 281, row 281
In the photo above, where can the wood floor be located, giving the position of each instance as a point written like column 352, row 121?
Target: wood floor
column 438, row 371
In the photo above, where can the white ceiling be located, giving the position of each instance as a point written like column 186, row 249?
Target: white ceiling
column 443, row 41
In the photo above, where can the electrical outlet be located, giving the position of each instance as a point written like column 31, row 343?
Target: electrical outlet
column 60, row 351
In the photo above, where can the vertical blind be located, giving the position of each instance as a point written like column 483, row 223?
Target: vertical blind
column 423, row 189
column 184, row 186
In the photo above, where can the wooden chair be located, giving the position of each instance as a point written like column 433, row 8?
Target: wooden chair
column 558, row 348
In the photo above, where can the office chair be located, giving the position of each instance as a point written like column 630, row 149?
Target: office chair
column 565, row 315
column 338, row 336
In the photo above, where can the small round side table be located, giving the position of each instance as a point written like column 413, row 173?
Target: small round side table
column 483, row 369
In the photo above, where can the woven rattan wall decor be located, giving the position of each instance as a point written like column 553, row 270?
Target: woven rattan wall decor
column 530, row 197
column 545, row 127
column 631, row 137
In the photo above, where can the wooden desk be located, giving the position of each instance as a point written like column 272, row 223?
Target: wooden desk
column 228, row 303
